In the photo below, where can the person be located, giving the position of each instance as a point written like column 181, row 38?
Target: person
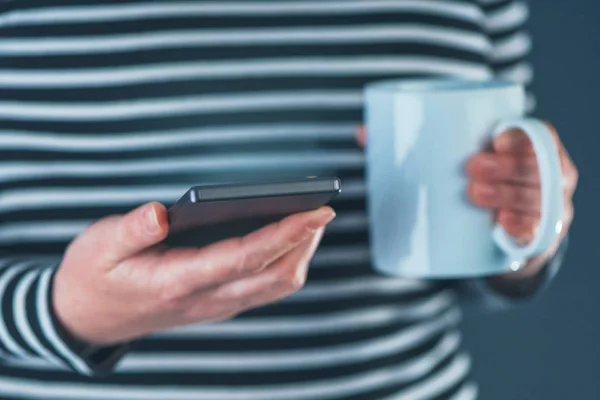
column 110, row 109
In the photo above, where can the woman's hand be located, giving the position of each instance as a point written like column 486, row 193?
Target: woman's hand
column 507, row 182
column 114, row 285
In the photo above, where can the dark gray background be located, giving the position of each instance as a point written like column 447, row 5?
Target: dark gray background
column 550, row 349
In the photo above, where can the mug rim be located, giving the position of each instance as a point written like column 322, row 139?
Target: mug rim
column 439, row 85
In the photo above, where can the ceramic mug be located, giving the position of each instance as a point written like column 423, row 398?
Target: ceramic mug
column 420, row 134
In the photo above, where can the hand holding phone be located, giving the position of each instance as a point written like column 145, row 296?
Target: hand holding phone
column 114, row 284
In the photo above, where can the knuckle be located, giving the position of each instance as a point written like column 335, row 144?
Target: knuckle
column 249, row 261
column 242, row 255
column 514, row 195
column 287, row 280
column 173, row 296
column 517, row 219
column 569, row 212
column 524, row 197
column 197, row 313
column 525, row 167
column 248, row 258
column 572, row 175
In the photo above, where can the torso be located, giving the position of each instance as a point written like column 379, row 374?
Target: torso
column 106, row 105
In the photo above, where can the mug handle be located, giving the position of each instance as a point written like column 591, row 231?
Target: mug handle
column 548, row 160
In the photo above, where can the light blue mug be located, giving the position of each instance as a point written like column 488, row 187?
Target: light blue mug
column 420, row 134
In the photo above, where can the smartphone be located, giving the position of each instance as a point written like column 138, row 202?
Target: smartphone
column 208, row 214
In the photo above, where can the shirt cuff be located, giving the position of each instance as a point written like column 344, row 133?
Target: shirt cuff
column 82, row 357
column 498, row 297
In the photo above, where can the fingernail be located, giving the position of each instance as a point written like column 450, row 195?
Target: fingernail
column 151, row 220
column 324, row 216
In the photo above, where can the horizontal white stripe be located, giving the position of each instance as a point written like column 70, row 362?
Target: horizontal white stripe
column 291, row 359
column 153, row 108
column 120, row 12
column 361, row 286
column 53, row 198
column 323, row 389
column 438, row 383
column 521, row 73
column 140, row 141
column 453, row 38
column 41, row 231
column 507, row 18
column 363, row 318
column 514, row 47
column 10, row 171
column 262, row 68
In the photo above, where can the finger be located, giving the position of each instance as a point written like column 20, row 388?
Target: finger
column 570, row 173
column 235, row 258
column 361, row 136
column 284, row 277
column 512, row 197
column 519, row 225
column 517, row 143
column 120, row 237
column 513, row 141
column 568, row 215
column 524, row 226
column 490, row 167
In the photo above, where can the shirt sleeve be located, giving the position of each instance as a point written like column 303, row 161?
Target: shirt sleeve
column 479, row 295
column 510, row 44
column 30, row 330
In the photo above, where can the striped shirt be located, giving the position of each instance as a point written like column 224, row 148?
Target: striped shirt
column 105, row 105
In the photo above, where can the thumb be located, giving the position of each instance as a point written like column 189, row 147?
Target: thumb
column 127, row 235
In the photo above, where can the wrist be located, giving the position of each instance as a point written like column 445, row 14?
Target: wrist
column 100, row 359
column 532, row 267
column 77, row 322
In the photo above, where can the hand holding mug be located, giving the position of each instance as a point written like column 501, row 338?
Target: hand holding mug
column 422, row 225
column 507, row 182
